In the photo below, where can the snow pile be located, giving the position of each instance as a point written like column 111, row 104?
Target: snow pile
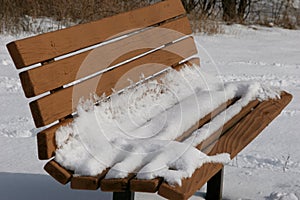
column 135, row 131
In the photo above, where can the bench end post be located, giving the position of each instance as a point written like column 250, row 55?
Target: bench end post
column 215, row 186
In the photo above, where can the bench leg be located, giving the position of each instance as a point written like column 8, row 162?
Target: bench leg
column 215, row 186
column 128, row 195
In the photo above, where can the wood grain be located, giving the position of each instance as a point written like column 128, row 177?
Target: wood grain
column 200, row 177
column 139, row 185
column 56, row 74
column 43, row 47
column 64, row 102
column 206, row 144
column 235, row 139
column 116, row 185
column 87, row 182
column 251, row 125
column 58, row 172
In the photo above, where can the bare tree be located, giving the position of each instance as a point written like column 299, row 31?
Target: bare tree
column 242, row 9
column 235, row 10
column 229, row 10
column 207, row 7
column 190, row 5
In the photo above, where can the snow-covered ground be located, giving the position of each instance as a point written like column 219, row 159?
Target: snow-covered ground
column 269, row 168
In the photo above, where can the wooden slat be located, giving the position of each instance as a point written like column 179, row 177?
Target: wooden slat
column 42, row 79
column 200, row 176
column 117, row 184
column 64, row 102
column 87, row 182
column 203, row 146
column 232, row 142
column 206, row 119
column 46, row 140
column 43, row 47
column 58, row 172
column 139, row 185
column 252, row 125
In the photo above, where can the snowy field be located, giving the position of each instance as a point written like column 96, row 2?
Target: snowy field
column 269, row 168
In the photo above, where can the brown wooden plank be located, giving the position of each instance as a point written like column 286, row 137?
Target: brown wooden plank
column 87, row 182
column 200, row 176
column 46, row 140
column 58, row 172
column 205, row 145
column 64, row 102
column 53, row 75
column 43, row 47
column 116, row 185
column 232, row 142
column 251, row 125
column 140, row 185
column 206, row 119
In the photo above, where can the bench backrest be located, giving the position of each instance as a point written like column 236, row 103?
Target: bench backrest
column 65, row 65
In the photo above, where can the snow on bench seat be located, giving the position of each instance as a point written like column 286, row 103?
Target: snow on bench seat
column 104, row 139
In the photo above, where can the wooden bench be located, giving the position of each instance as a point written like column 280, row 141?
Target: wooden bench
column 160, row 35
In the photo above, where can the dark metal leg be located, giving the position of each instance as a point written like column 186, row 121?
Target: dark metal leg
column 215, row 186
column 128, row 195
